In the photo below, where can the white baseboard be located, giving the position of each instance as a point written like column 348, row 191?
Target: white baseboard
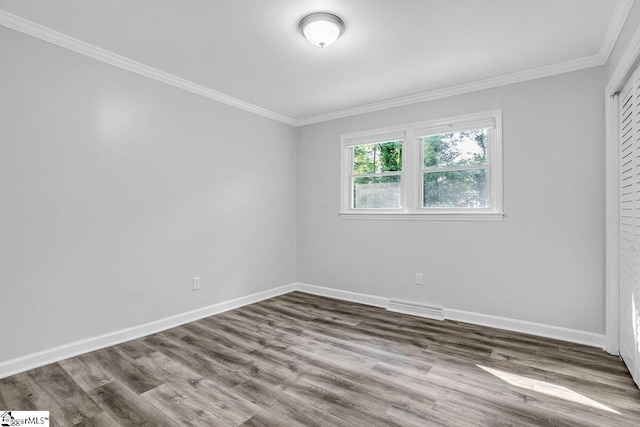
column 34, row 360
column 523, row 326
column 540, row 329
column 343, row 295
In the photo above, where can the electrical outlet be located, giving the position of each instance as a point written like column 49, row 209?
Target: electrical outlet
column 418, row 278
column 196, row 283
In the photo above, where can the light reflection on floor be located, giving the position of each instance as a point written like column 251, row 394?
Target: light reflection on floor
column 549, row 389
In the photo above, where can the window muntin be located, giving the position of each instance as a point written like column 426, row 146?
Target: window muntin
column 454, row 169
column 376, row 175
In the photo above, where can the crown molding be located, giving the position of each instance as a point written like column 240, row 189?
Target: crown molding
column 536, row 73
column 47, row 34
column 625, row 65
column 623, row 7
column 620, row 14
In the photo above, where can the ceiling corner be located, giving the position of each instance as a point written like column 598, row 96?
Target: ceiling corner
column 620, row 14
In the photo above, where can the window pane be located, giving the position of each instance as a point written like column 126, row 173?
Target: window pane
column 376, row 192
column 455, row 149
column 455, row 189
column 375, row 158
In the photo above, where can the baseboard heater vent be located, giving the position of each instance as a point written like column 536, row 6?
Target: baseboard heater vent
column 421, row 310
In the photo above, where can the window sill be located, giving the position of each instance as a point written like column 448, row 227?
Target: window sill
column 425, row 216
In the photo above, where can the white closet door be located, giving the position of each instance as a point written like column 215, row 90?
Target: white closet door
column 630, row 224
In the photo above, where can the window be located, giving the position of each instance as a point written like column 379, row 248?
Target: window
column 377, row 175
column 454, row 169
column 445, row 169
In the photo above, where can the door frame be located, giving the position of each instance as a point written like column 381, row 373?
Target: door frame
column 619, row 78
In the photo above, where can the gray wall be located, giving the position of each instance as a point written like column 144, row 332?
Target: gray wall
column 544, row 263
column 116, row 190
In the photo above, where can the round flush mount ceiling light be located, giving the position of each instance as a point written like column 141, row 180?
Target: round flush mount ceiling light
column 321, row 29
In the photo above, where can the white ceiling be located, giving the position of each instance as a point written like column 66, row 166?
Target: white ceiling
column 252, row 50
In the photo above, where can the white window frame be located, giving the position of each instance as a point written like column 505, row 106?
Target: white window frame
column 412, row 169
column 365, row 138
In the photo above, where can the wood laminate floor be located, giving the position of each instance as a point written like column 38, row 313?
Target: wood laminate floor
column 303, row 360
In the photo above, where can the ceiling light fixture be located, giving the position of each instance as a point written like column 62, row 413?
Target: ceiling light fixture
column 321, row 29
